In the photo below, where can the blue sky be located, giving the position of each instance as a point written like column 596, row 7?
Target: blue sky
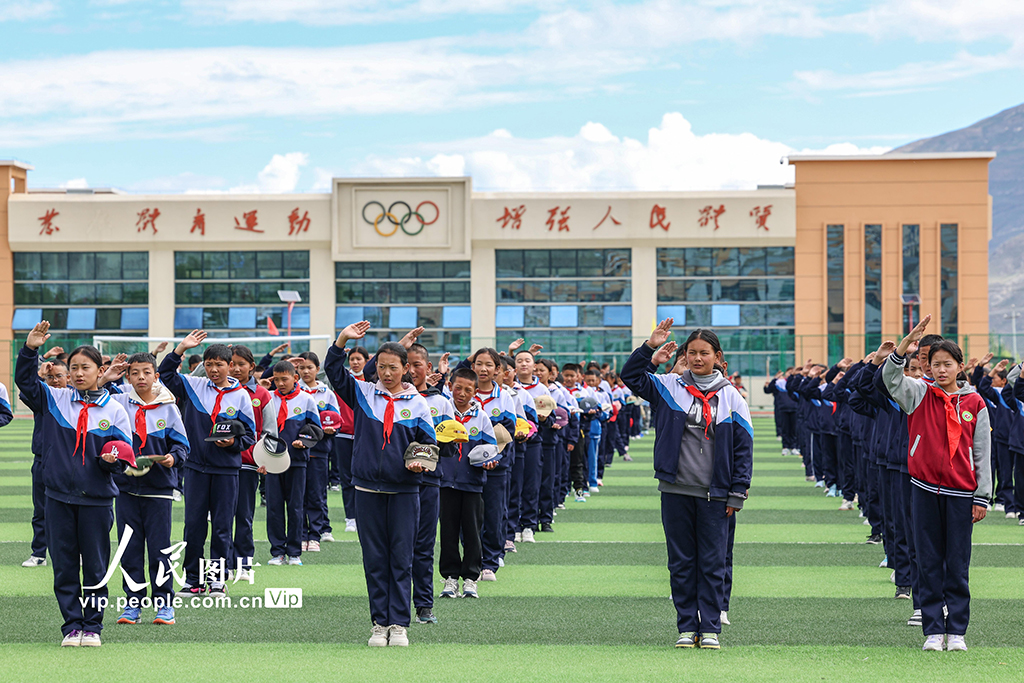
column 281, row 95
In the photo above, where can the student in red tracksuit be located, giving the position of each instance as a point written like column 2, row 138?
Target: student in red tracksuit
column 950, row 469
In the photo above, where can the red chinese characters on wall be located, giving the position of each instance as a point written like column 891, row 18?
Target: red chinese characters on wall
column 658, row 216
column 147, row 219
column 199, row 222
column 607, row 215
column 46, row 220
column 248, row 223
column 513, row 217
column 760, row 214
column 710, row 214
column 296, row 224
column 562, row 220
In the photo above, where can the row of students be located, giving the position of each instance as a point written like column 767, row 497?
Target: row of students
column 920, row 463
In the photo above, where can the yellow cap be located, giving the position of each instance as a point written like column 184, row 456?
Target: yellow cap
column 451, row 431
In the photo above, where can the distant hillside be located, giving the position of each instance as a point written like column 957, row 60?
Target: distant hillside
column 1003, row 134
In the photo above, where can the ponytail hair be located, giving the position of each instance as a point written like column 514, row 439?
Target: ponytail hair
column 396, row 349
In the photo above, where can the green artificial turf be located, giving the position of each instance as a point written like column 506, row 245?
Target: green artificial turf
column 589, row 602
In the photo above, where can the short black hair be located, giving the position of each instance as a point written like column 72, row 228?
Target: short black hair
column 57, row 362
column 929, row 340
column 570, row 366
column 143, row 357
column 419, row 349
column 593, row 371
column 311, row 357
column 285, row 367
column 464, row 373
column 194, row 360
column 217, row 352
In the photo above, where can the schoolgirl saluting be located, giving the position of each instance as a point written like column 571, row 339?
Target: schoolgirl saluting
column 78, row 471
column 703, row 457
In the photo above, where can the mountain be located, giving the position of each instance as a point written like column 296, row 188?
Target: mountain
column 1004, row 135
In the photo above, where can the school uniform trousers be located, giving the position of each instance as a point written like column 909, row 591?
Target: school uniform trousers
column 786, row 421
column 494, row 532
column 245, row 508
column 216, row 494
column 546, row 496
column 593, row 448
column 1018, row 480
column 1002, row 465
column 314, row 518
column 728, row 562
column 529, row 501
column 78, row 538
column 696, row 533
column 38, row 508
column 846, row 480
column 942, row 534
column 150, row 520
column 516, row 474
column 286, row 498
column 578, row 463
column 462, row 514
column 426, row 537
column 827, row 460
column 348, row 491
column 387, row 536
column 899, row 560
column 907, row 501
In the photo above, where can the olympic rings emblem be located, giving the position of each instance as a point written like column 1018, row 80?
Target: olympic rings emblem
column 391, row 216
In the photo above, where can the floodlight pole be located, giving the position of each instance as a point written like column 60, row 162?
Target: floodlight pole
column 1012, row 315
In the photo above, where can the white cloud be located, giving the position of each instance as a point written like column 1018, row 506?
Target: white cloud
column 341, row 12
column 280, row 176
column 75, row 184
column 673, row 157
column 26, row 10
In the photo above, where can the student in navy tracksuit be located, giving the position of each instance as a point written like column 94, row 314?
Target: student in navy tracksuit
column 293, row 409
column 462, row 485
column 388, row 417
column 989, row 385
column 146, row 495
column 211, row 471
column 55, row 375
column 538, row 453
column 316, row 521
column 703, row 460
column 950, row 468
column 863, row 403
column 243, row 365
column 79, row 481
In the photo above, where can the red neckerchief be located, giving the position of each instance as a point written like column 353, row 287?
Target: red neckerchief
column 282, row 412
column 705, row 400
column 216, row 404
column 83, row 427
column 954, row 430
column 484, row 402
column 140, row 422
column 463, row 420
column 389, row 418
column 535, row 383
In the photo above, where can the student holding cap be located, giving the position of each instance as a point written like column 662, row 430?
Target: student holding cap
column 78, row 474
column 297, row 416
column 315, row 521
column 211, row 471
column 462, row 485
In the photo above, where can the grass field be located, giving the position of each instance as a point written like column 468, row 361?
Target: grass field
column 589, row 602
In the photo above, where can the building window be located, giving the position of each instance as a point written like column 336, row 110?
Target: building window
column 911, row 275
column 872, row 287
column 237, row 292
column 82, row 292
column 571, row 301
column 746, row 294
column 950, row 284
column 399, row 296
column 836, row 301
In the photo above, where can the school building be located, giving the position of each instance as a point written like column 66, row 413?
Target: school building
column 825, row 267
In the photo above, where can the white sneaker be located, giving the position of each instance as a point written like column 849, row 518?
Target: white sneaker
column 73, row 639
column 866, row 522
column 277, row 561
column 933, row 643
column 488, row 575
column 92, row 639
column 451, row 588
column 34, row 561
column 725, row 619
column 350, row 525
column 998, row 507
column 955, row 643
column 295, row 561
column 327, row 537
column 501, row 563
column 785, row 451
column 244, row 575
column 313, row 546
column 586, row 494
column 847, row 505
column 1011, row 515
column 398, row 636
column 305, row 546
column 518, row 538
column 469, row 588
column 379, row 636
column 528, row 536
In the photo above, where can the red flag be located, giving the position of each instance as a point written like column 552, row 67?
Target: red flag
column 271, row 327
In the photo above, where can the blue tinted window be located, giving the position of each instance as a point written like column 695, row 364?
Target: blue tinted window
column 455, row 316
column 676, row 312
column 26, row 318
column 564, row 316
column 725, row 315
column 509, row 316
column 346, row 315
column 81, row 319
column 242, row 318
column 300, row 317
column 135, row 318
column 403, row 317
column 188, row 318
column 618, row 316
